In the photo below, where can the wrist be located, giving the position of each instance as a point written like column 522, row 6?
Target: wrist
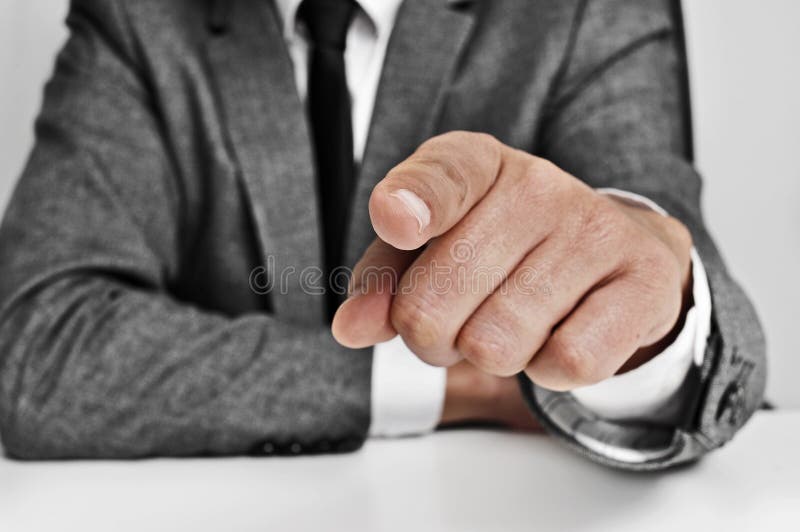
column 473, row 396
column 468, row 394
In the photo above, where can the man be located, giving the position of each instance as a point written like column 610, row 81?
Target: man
column 199, row 165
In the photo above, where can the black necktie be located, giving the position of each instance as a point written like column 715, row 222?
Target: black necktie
column 327, row 22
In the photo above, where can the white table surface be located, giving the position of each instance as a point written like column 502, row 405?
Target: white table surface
column 455, row 480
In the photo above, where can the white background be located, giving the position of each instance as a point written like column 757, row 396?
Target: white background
column 746, row 88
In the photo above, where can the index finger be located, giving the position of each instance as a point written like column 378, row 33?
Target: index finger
column 428, row 193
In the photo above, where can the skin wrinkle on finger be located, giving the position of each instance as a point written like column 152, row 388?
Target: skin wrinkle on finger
column 563, row 273
column 663, row 284
column 419, row 325
column 584, row 246
column 569, row 254
column 474, row 278
column 668, row 230
column 363, row 319
column 449, row 174
column 381, row 263
column 568, row 361
column 599, row 335
column 603, row 241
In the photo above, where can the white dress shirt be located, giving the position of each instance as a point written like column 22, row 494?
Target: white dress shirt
column 407, row 394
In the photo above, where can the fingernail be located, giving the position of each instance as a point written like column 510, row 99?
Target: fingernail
column 415, row 206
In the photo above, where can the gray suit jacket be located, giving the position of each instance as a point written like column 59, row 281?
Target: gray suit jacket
column 172, row 158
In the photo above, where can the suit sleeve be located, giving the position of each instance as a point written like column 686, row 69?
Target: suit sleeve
column 618, row 116
column 97, row 358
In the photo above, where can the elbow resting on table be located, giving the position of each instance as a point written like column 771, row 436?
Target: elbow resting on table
column 43, row 409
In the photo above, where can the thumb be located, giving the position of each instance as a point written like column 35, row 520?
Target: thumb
column 431, row 191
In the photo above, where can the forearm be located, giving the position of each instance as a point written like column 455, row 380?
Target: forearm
column 94, row 368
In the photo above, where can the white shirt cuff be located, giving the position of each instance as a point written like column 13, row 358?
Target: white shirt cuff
column 649, row 392
column 407, row 394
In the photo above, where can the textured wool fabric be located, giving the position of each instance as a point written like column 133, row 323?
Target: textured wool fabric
column 173, row 161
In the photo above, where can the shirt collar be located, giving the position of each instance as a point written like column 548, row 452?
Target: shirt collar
column 380, row 12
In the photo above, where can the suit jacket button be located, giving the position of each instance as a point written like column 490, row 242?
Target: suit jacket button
column 268, row 448
column 295, row 448
column 737, row 405
column 732, row 404
column 348, row 444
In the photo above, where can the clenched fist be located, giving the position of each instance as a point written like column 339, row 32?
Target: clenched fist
column 488, row 253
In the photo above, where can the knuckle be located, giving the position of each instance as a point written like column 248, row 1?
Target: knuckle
column 540, row 180
column 597, row 221
column 463, row 163
column 450, row 171
column 541, row 166
column 658, row 282
column 483, row 139
column 657, row 267
column 414, row 320
column 486, row 346
column 540, row 172
column 433, row 144
column 680, row 232
column 661, row 328
column 462, row 138
column 576, row 363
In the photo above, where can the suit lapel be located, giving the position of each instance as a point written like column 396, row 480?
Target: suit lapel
column 423, row 51
column 270, row 140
